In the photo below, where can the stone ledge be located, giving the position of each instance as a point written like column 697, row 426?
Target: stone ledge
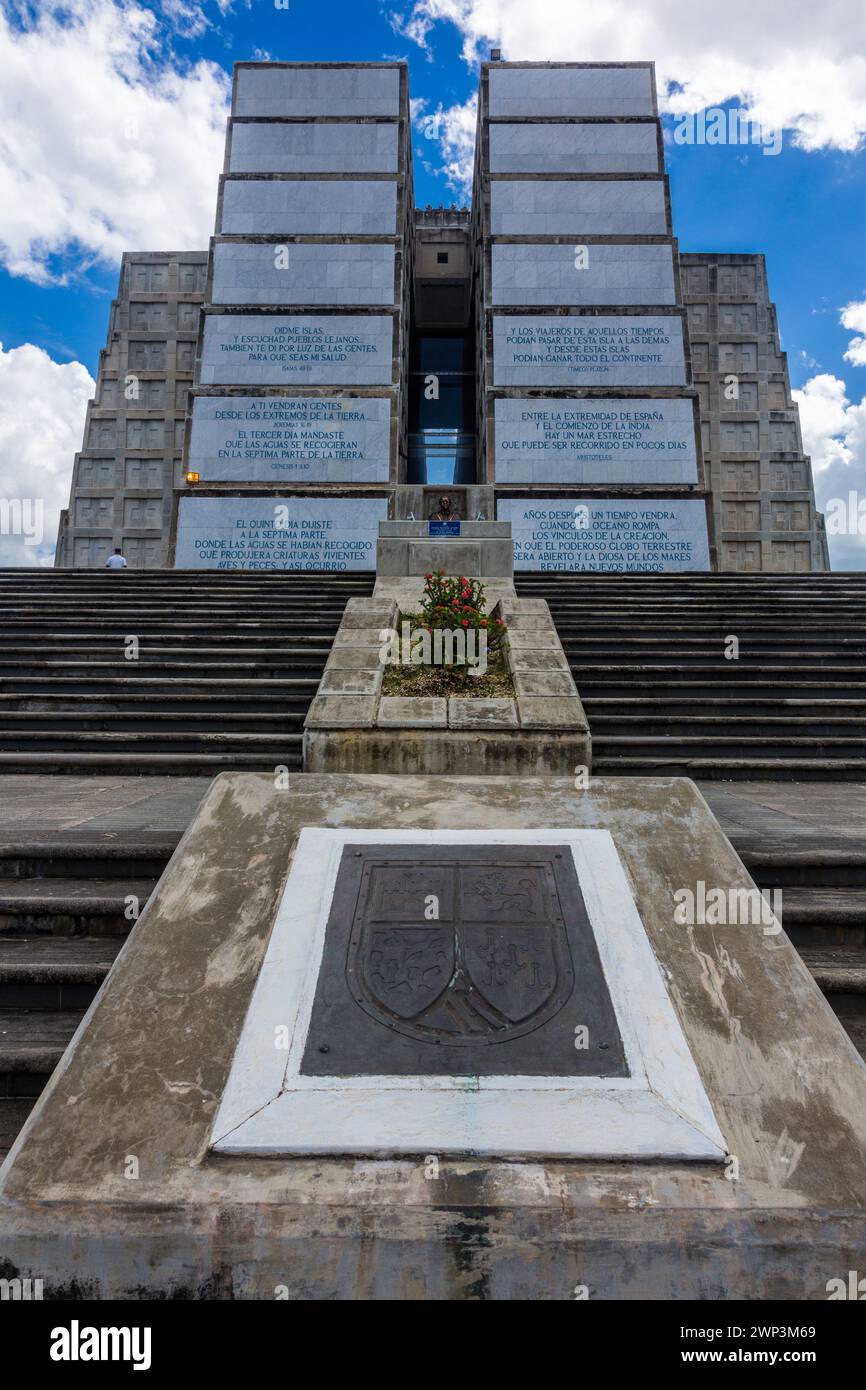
column 543, row 683
column 412, row 712
column 342, row 712
column 556, row 712
column 352, row 680
column 469, row 713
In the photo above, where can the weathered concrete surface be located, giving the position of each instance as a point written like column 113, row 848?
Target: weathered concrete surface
column 146, row 1072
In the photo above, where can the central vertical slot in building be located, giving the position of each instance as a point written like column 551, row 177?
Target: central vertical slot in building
column 442, row 445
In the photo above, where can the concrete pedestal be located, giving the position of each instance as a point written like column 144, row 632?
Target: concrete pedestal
column 481, row 550
column 114, row 1188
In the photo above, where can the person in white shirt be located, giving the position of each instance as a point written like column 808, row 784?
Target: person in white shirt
column 115, row 561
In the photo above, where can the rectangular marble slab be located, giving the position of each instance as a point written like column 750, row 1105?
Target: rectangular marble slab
column 663, row 535
column 617, row 148
column 599, row 440
column 273, row 439
column 587, row 207
column 297, row 206
column 316, row 91
column 326, row 350
column 278, row 533
column 571, row 91
column 306, row 273
column 312, row 148
column 588, row 350
column 541, row 273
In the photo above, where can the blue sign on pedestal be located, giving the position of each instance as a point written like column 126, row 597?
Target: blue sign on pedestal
column 443, row 528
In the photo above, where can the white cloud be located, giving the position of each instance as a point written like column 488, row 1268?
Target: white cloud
column 834, row 435
column 42, row 409
column 796, row 67
column 854, row 317
column 106, row 144
column 453, row 128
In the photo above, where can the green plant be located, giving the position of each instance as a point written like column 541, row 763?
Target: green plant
column 453, row 602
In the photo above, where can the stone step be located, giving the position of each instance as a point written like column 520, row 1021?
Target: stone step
column 825, row 917
column 53, row 973
column 730, row 744
column 67, row 723
column 60, row 907
column 13, row 1113
column 271, row 744
column 800, row 769
column 102, row 855
column 802, row 861
column 148, row 764
column 31, row 1045
column 145, row 686
column 273, row 668
column 650, row 726
column 134, row 702
column 697, row 705
column 838, row 972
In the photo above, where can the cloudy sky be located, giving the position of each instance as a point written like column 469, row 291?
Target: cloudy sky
column 111, row 138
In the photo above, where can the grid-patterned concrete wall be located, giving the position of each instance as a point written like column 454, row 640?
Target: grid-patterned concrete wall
column 299, row 393
column 588, row 420
column 130, row 462
column 763, row 498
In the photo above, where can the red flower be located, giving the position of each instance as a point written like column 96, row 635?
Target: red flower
column 465, row 622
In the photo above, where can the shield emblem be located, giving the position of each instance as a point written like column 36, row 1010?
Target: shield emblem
column 406, row 968
column 459, row 953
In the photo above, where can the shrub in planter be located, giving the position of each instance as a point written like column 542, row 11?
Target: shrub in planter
column 457, row 602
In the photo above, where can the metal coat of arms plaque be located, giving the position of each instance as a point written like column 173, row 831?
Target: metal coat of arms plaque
column 460, row 960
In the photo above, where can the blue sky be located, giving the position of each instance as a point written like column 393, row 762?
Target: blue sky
column 77, row 189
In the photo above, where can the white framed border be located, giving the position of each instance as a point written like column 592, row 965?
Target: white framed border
column 659, row 1111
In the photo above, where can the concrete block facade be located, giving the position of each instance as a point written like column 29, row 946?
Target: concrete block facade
column 763, row 497
column 602, row 355
column 588, row 420
column 123, row 479
column 304, row 341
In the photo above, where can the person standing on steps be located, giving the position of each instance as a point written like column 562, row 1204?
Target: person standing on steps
column 116, row 561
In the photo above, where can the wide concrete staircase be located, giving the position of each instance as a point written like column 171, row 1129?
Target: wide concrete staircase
column 66, row 907
column 227, row 665
column 648, row 657
column 823, row 884
column 223, row 673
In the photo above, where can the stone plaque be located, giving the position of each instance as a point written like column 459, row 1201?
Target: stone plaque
column 572, row 91
column 312, row 147
column 276, row 206
column 588, row 350
column 274, row 439
column 538, row 273
column 278, row 533
column 657, row 535
column 326, row 350
column 462, row 992
column 256, row 273
column 583, row 207
column 497, row 983
column 594, row 148
column 595, row 440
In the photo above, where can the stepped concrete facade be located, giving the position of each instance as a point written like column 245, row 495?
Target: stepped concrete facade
column 299, row 393
column 124, row 478
column 548, row 358
column 760, row 479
